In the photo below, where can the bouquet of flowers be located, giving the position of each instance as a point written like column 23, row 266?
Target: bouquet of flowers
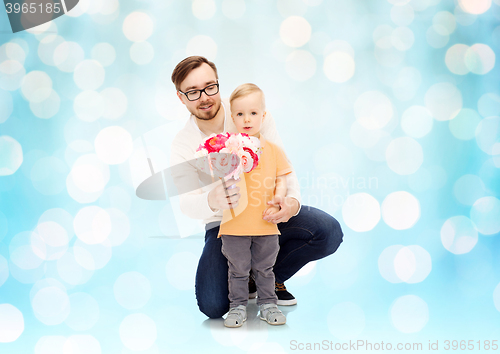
column 228, row 155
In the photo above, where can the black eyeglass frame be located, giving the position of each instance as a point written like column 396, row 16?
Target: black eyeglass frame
column 201, row 91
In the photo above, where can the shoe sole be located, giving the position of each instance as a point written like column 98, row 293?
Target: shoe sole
column 236, row 325
column 273, row 323
column 287, row 302
column 252, row 295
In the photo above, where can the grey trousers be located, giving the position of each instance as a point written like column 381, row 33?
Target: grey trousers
column 250, row 252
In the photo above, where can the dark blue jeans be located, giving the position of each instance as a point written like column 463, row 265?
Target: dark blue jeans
column 308, row 236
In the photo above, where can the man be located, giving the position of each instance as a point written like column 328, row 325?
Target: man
column 307, row 234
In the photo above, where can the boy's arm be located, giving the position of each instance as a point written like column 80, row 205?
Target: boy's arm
column 293, row 188
column 280, row 191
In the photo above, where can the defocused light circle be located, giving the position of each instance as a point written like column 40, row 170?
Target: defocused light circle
column 89, row 75
column 7, row 106
column 71, row 271
column 11, row 323
column 386, row 264
column 142, row 53
column 12, row 75
column 412, row 264
column 464, row 125
column 455, row 59
column 295, row 31
column 468, row 189
column 404, row 156
column 22, row 253
column 49, row 240
column 339, row 67
column 443, row 100
column 132, row 290
column 48, row 107
column 4, row 270
column 334, row 46
column 11, row 157
column 409, row 314
column 480, row 59
column 50, row 344
column 104, row 53
column 416, row 121
column 92, row 225
column 92, row 257
column 203, row 9
column 402, row 15
column 137, row 26
column 362, row 137
column 202, row 45
column 120, row 226
column 445, row 22
column 373, row 110
column 300, row 65
column 138, row 332
column 82, row 344
column 487, row 134
column 37, row 86
column 402, row 38
column 361, row 212
column 459, row 235
column 475, row 7
column 89, row 173
column 400, row 210
column 89, row 105
column 489, row 105
column 51, row 305
column 485, row 213
column 47, row 47
column 435, row 38
column 67, row 56
column 113, row 145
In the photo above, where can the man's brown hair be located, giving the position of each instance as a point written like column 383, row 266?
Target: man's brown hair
column 186, row 66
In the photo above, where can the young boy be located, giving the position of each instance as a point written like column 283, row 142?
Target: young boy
column 248, row 241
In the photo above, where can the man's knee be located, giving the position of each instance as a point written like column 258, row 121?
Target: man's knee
column 329, row 233
column 214, row 309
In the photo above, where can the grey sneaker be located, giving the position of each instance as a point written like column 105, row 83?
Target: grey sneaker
column 271, row 314
column 236, row 316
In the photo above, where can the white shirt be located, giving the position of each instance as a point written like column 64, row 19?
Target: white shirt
column 195, row 204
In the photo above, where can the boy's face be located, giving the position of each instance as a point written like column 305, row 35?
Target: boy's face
column 206, row 107
column 248, row 113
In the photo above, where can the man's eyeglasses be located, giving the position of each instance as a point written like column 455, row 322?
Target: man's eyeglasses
column 194, row 95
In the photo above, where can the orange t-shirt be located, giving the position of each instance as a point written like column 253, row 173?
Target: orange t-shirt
column 256, row 189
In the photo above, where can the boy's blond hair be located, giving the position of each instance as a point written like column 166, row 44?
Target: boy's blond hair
column 245, row 90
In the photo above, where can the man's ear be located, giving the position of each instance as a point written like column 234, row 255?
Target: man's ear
column 180, row 97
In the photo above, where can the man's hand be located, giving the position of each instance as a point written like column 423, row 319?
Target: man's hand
column 218, row 199
column 289, row 207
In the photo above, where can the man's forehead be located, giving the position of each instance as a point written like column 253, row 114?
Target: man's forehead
column 199, row 78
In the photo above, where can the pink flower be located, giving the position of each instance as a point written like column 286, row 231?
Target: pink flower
column 253, row 158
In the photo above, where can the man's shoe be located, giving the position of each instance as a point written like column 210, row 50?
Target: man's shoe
column 236, row 316
column 284, row 297
column 271, row 314
column 252, row 288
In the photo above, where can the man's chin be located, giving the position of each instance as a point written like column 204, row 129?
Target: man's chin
column 208, row 115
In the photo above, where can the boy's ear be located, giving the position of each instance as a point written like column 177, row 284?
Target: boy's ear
column 180, row 97
column 264, row 115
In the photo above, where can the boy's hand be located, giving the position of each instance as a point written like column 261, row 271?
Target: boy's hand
column 271, row 210
column 288, row 208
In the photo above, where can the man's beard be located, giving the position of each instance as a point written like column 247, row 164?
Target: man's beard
column 212, row 115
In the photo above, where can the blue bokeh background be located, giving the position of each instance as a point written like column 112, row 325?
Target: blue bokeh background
column 388, row 109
